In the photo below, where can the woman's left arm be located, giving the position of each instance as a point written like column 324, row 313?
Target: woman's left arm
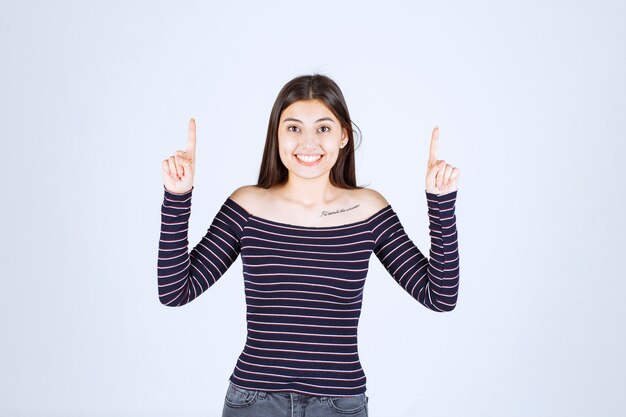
column 433, row 281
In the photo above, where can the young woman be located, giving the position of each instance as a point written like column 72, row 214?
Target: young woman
column 305, row 232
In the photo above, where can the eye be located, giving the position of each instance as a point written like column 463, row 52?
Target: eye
column 294, row 126
column 325, row 127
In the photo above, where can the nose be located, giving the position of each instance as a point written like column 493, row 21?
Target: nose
column 309, row 140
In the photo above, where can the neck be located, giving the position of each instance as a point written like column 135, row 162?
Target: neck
column 309, row 192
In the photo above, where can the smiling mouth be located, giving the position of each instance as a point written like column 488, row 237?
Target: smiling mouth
column 309, row 158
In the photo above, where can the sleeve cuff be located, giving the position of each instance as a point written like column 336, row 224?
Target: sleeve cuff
column 177, row 196
column 438, row 202
column 447, row 196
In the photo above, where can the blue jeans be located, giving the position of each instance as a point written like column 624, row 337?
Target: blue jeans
column 241, row 402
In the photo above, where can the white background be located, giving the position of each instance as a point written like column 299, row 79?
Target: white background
column 530, row 100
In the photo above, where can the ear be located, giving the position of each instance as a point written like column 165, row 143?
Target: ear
column 344, row 137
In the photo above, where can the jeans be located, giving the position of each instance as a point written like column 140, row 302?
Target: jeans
column 241, row 402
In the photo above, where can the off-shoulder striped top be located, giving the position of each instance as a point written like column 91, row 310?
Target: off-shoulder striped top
column 304, row 285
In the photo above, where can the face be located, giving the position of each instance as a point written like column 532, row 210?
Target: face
column 309, row 129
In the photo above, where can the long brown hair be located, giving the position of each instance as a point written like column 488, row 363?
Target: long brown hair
column 309, row 87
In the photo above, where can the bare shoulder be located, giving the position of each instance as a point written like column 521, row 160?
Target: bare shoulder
column 245, row 195
column 372, row 199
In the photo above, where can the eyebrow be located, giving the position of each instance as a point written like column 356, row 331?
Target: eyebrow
column 291, row 119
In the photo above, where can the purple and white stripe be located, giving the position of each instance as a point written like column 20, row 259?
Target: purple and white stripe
column 304, row 285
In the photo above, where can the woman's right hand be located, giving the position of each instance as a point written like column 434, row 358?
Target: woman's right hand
column 179, row 168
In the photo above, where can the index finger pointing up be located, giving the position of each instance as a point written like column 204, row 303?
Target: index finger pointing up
column 434, row 144
column 191, row 138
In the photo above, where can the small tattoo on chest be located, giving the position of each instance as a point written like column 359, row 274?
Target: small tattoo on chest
column 328, row 213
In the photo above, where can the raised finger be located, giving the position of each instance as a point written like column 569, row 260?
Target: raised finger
column 434, row 144
column 191, row 138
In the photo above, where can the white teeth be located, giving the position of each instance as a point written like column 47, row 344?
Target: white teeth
column 308, row 158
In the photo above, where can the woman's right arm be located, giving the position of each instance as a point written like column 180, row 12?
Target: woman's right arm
column 183, row 276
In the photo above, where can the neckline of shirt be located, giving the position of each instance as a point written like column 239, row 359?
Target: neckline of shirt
column 353, row 224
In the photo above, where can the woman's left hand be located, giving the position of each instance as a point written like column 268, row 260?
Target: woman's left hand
column 441, row 178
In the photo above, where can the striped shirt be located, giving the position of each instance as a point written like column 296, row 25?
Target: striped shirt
column 304, row 285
